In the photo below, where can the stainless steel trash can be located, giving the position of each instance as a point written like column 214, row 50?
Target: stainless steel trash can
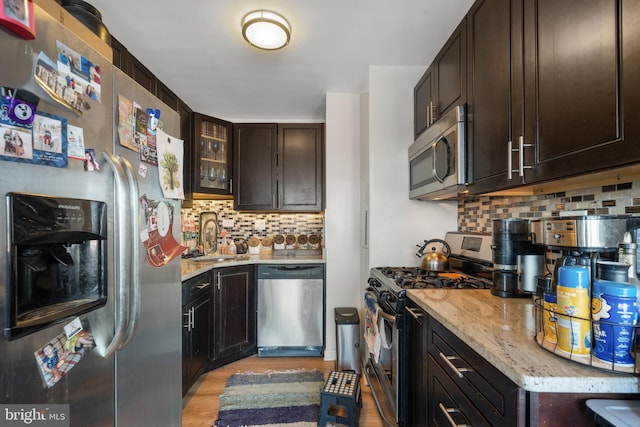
column 347, row 339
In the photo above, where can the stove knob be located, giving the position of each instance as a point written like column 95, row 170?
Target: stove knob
column 373, row 282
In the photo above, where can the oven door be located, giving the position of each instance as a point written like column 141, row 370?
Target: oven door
column 382, row 372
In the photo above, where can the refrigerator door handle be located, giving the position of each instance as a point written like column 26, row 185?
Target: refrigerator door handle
column 121, row 223
column 132, row 261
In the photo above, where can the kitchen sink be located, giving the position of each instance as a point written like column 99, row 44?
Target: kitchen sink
column 221, row 258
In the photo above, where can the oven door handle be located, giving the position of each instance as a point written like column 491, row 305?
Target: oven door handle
column 386, row 316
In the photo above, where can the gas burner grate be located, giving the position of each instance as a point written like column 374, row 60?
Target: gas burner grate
column 417, row 278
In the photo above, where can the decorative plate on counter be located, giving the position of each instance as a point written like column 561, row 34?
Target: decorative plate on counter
column 208, row 236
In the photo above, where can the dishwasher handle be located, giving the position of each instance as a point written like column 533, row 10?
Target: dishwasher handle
column 310, row 271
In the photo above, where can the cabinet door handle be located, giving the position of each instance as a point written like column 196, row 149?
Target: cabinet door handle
column 218, row 280
column 187, row 325
column 521, row 152
column 429, row 114
column 203, row 286
column 189, row 316
column 447, row 411
column 193, row 317
column 509, row 160
column 458, row 371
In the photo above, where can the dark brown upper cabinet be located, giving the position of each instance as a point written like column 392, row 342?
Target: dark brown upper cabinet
column 574, row 94
column 444, row 84
column 186, row 134
column 278, row 167
column 212, row 156
column 494, row 108
column 551, row 92
column 167, row 96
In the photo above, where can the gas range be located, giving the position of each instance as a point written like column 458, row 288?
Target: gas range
column 470, row 267
column 401, row 278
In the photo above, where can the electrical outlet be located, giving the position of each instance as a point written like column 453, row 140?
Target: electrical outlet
column 260, row 224
column 228, row 223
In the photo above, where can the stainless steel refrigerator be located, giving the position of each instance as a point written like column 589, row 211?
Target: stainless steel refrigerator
column 136, row 382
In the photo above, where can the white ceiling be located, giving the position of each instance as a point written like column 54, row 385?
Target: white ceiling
column 196, row 48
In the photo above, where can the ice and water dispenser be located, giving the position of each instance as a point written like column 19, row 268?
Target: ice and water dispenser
column 57, row 252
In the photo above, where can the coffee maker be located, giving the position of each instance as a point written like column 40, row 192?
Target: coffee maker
column 584, row 240
column 517, row 260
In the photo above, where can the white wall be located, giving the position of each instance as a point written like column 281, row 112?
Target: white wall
column 342, row 222
column 397, row 224
column 366, row 173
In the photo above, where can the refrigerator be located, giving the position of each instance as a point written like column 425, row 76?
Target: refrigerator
column 137, row 381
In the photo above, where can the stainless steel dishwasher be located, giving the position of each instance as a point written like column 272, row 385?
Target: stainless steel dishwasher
column 291, row 310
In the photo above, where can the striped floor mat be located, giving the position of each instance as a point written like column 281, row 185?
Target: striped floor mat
column 275, row 398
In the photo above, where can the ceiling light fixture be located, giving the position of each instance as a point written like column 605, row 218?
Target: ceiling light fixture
column 266, row 30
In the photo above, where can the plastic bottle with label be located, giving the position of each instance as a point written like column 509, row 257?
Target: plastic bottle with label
column 614, row 316
column 574, row 309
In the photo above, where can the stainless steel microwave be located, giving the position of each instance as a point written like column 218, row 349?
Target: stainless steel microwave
column 437, row 159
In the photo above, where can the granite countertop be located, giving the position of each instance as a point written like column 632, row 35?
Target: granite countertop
column 191, row 268
column 502, row 330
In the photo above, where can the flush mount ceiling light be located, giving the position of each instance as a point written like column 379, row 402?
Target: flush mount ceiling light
column 266, row 30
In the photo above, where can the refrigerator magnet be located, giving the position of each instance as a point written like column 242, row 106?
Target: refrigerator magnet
column 17, row 16
column 22, row 107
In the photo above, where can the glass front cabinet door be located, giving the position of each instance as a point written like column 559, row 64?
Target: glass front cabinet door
column 212, row 153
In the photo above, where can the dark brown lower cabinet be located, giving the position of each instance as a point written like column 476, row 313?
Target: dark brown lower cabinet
column 196, row 329
column 234, row 314
column 463, row 388
column 418, row 371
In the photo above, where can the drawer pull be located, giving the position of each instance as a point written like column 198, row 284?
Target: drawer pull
column 203, row 286
column 456, row 370
column 412, row 312
column 447, row 411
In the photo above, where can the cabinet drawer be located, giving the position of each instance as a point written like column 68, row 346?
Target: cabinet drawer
column 492, row 393
column 195, row 288
column 448, row 405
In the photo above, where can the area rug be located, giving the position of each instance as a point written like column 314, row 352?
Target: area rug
column 274, row 398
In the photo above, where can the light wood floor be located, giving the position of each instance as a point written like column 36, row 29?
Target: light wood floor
column 200, row 404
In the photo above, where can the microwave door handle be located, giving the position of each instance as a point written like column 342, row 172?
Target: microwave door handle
column 443, row 140
column 433, row 158
column 121, row 219
column 134, row 246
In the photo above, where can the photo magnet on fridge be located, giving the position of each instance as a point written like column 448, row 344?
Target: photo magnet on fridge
column 17, row 16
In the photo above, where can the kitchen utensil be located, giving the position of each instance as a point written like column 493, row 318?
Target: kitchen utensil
column 242, row 247
column 434, row 260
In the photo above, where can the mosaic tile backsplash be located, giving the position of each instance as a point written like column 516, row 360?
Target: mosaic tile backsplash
column 275, row 223
column 475, row 214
